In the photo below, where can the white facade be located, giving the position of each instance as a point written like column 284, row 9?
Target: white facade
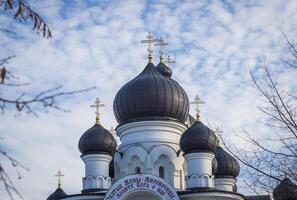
column 199, row 167
column 96, row 171
column 151, row 147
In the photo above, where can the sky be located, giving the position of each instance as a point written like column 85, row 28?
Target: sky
column 215, row 44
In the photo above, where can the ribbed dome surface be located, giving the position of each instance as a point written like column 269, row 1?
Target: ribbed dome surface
column 227, row 164
column 97, row 140
column 164, row 69
column 58, row 194
column 286, row 190
column 198, row 138
column 151, row 96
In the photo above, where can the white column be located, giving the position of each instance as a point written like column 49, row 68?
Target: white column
column 96, row 171
column 199, row 167
column 226, row 184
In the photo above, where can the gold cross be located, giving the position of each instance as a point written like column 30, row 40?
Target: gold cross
column 161, row 44
column 197, row 101
column 149, row 40
column 169, row 60
column 59, row 175
column 97, row 104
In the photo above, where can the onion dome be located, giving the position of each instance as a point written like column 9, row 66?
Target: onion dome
column 151, row 96
column 286, row 190
column 58, row 194
column 227, row 164
column 97, row 140
column 198, row 138
column 164, row 70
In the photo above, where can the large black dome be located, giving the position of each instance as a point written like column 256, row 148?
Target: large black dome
column 227, row 164
column 58, row 194
column 286, row 190
column 198, row 138
column 97, row 140
column 151, row 96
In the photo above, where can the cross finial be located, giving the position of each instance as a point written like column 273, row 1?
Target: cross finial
column 97, row 104
column 59, row 175
column 149, row 40
column 197, row 101
column 169, row 60
column 161, row 44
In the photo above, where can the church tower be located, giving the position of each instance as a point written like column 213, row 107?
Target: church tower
column 151, row 111
column 97, row 146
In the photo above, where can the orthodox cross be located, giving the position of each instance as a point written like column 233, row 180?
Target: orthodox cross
column 97, row 104
column 149, row 40
column 59, row 175
column 197, row 101
column 161, row 44
column 169, row 60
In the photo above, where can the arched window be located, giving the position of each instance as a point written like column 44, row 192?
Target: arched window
column 137, row 170
column 161, row 172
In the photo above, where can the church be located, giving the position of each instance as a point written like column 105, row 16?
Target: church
column 159, row 151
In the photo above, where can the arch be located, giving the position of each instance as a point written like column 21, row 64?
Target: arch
column 134, row 151
column 143, row 195
column 141, row 186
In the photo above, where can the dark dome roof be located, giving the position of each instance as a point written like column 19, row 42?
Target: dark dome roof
column 198, row 138
column 164, row 69
column 151, row 96
column 58, row 194
column 97, row 140
column 286, row 190
column 227, row 164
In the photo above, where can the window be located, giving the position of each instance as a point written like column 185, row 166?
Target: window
column 137, row 170
column 161, row 172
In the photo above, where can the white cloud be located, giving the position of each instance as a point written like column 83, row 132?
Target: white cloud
column 214, row 45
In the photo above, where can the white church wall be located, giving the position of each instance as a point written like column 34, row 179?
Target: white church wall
column 226, row 184
column 96, row 171
column 151, row 145
column 199, row 170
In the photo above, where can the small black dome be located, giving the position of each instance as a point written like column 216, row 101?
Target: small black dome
column 286, row 190
column 227, row 164
column 97, row 140
column 164, row 69
column 58, row 194
column 198, row 138
column 151, row 96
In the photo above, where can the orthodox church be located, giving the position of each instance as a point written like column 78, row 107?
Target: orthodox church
column 160, row 152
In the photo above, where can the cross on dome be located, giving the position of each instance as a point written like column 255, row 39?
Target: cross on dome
column 169, row 60
column 197, row 101
column 160, row 43
column 97, row 104
column 149, row 40
column 59, row 175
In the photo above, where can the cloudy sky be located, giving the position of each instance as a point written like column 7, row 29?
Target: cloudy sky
column 96, row 43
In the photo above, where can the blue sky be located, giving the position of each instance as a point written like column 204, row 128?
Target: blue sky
column 96, row 43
